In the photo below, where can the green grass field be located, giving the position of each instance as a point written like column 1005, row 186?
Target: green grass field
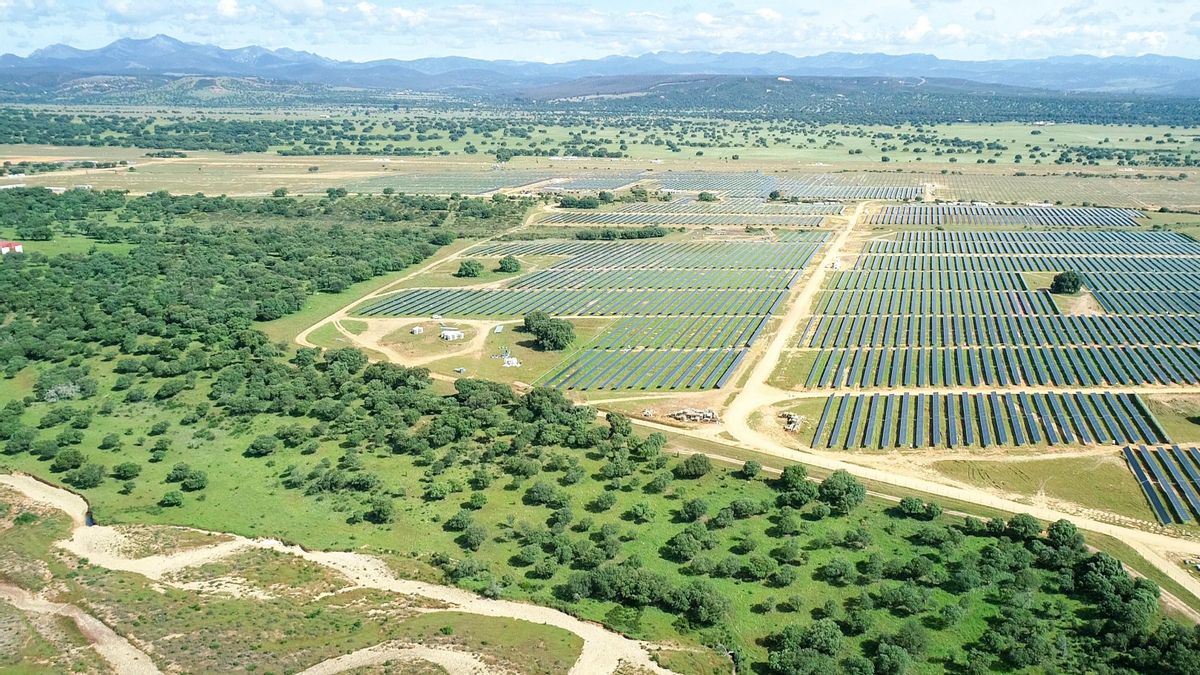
column 1102, row 482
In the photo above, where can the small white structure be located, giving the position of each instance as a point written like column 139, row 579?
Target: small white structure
column 451, row 334
column 498, row 329
column 512, row 362
column 417, row 330
column 7, row 247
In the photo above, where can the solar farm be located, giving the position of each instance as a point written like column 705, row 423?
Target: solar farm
column 925, row 328
column 945, row 338
column 685, row 311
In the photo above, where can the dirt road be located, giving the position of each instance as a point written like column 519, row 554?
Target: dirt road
column 118, row 652
column 603, row 651
column 454, row 662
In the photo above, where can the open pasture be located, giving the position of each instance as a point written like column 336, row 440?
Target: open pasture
column 964, row 420
column 1126, row 189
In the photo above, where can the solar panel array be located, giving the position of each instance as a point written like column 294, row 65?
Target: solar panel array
column 688, row 309
column 958, row 420
column 837, row 187
column 990, row 216
column 939, row 312
column 1170, row 479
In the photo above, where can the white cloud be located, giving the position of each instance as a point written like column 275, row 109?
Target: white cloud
column 553, row 30
column 229, row 9
column 918, row 30
column 953, row 31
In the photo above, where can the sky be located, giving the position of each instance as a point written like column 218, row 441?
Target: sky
column 536, row 30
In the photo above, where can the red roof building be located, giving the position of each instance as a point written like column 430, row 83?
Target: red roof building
column 7, row 247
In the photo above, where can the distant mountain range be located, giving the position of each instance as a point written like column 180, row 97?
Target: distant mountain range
column 162, row 56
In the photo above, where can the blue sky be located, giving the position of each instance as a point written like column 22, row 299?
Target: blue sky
column 558, row 31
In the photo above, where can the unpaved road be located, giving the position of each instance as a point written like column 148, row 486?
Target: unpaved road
column 603, row 651
column 454, row 662
column 118, row 652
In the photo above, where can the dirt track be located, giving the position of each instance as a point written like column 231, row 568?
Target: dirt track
column 603, row 651
column 118, row 652
column 455, row 662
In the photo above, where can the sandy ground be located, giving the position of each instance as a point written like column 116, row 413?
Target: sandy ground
column 114, row 649
column 603, row 651
column 455, row 662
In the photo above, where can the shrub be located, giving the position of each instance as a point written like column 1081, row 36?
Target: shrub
column 469, row 269
column 1066, row 283
column 126, row 471
column 509, row 265
column 695, row 466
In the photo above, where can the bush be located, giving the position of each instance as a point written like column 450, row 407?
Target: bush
column 473, row 537
column 172, row 498
column 66, row 460
column 695, row 466
column 380, row 510
column 469, row 269
column 549, row 333
column 1066, row 283
column 751, row 469
column 841, row 492
column 262, row 446
column 126, row 471
column 509, row 265
column 85, row 477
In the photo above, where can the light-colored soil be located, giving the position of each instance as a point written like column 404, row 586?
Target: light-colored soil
column 118, row 652
column 454, row 662
column 603, row 651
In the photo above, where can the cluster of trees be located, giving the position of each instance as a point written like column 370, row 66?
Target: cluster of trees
column 615, row 233
column 38, row 213
column 548, row 332
column 1066, row 283
column 579, row 202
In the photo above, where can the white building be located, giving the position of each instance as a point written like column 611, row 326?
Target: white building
column 417, row 330
column 7, row 247
column 451, row 334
